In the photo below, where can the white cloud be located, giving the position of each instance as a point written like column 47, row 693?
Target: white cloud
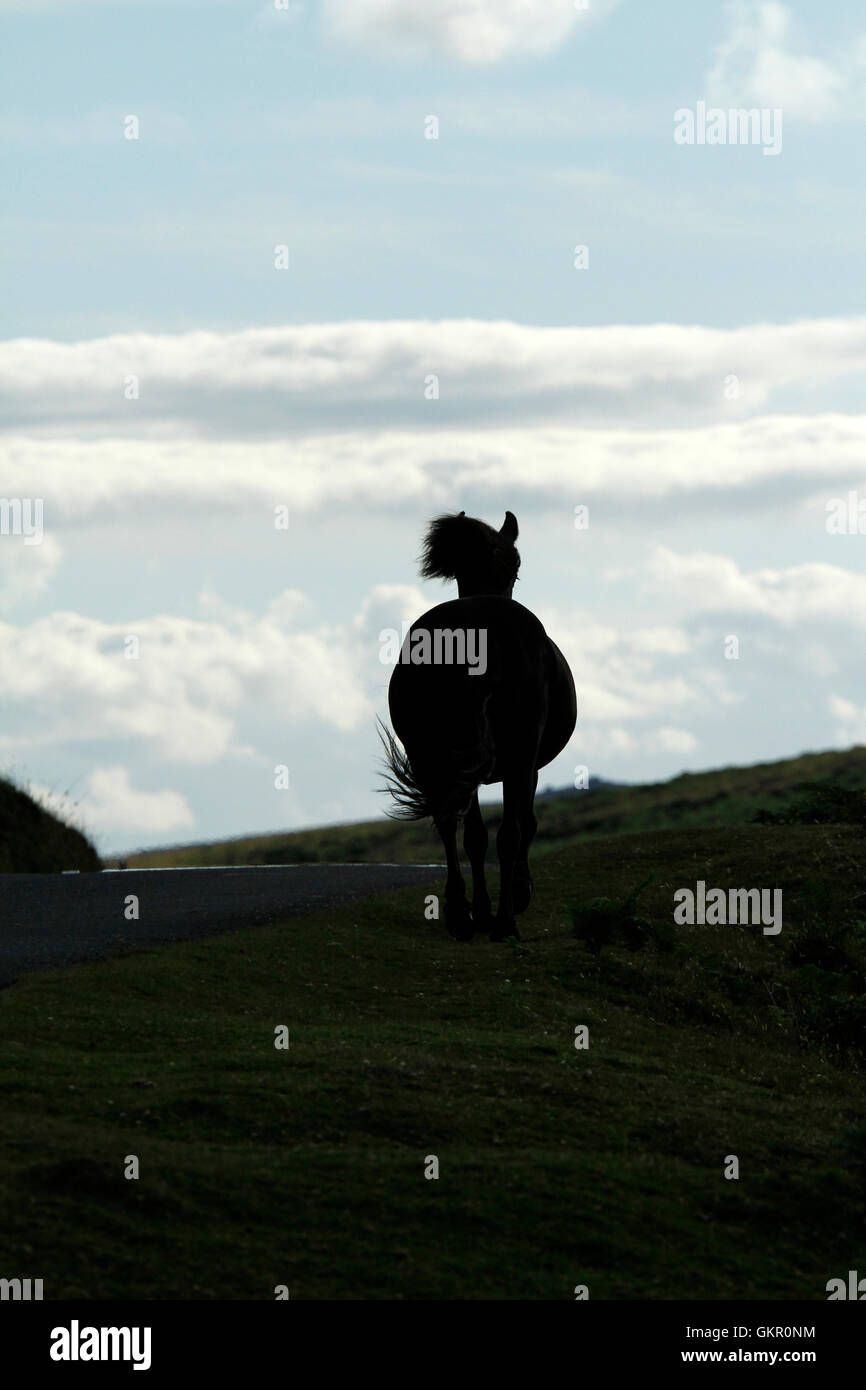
column 646, row 694
column 618, row 670
column 851, row 721
column 271, row 380
column 158, row 479
column 25, row 570
column 112, row 804
column 757, row 65
column 475, row 32
column 384, row 364
column 388, row 606
column 66, row 680
column 799, row 594
column 602, row 742
column 670, row 740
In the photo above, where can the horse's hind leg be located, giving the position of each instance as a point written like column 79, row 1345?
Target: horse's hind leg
column 522, row 888
column 458, row 918
column 475, row 845
column 517, row 793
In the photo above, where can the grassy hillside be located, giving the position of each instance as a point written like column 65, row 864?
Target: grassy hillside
column 729, row 796
column 602, row 1166
column 34, row 841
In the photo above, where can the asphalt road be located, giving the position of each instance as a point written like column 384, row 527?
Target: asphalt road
column 51, row 920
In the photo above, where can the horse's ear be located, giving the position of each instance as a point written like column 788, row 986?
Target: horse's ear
column 509, row 529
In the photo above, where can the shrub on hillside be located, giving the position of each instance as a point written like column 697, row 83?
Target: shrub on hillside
column 820, row 803
column 603, row 922
column 34, row 841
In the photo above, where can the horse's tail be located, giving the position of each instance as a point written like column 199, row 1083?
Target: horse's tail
column 449, row 784
column 410, row 802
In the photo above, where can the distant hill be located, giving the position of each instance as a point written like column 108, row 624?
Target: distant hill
column 35, row 841
column 727, row 796
column 595, row 784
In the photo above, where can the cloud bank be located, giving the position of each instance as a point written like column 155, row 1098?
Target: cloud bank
column 472, row 32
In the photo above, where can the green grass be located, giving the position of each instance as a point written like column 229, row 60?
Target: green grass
column 557, row 1167
column 727, row 796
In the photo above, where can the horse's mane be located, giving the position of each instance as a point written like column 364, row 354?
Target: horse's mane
column 456, row 543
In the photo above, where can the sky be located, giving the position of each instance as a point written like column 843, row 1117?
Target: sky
column 283, row 281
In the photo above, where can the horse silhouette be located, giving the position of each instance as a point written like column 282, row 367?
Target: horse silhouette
column 480, row 694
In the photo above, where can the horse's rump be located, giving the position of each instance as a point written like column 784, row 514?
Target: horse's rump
column 459, row 727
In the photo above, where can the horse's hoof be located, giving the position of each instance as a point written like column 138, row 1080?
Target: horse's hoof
column 503, row 929
column 458, row 921
column 521, row 894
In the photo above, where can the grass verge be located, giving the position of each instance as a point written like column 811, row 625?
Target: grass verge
column 558, row 1167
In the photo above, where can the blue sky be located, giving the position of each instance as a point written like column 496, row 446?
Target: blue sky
column 698, row 385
